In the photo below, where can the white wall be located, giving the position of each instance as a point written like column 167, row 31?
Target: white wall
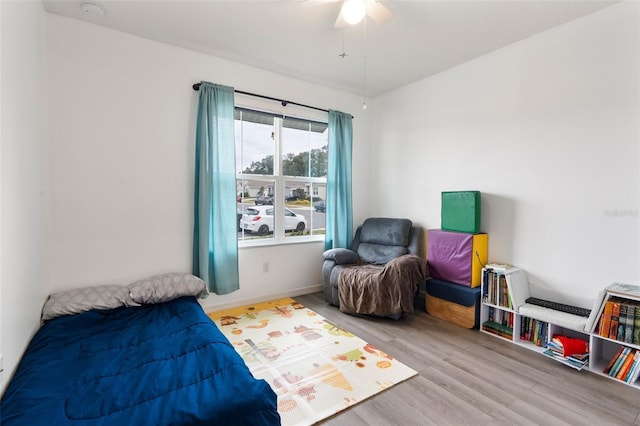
column 548, row 130
column 122, row 118
column 24, row 174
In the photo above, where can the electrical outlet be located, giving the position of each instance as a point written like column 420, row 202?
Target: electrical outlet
column 265, row 267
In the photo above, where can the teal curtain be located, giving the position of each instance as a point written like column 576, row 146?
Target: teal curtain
column 339, row 212
column 215, row 243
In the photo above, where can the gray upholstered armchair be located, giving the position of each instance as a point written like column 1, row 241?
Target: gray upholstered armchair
column 382, row 272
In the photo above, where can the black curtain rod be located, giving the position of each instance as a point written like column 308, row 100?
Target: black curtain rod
column 283, row 102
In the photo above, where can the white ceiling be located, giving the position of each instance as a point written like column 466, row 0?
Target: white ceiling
column 288, row 37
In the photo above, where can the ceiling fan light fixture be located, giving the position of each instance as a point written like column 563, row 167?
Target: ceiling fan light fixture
column 353, row 11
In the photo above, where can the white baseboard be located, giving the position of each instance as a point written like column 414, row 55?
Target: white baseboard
column 213, row 303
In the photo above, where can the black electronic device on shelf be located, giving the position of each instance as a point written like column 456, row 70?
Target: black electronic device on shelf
column 575, row 310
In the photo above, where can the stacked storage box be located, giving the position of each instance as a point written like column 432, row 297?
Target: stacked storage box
column 456, row 254
column 453, row 302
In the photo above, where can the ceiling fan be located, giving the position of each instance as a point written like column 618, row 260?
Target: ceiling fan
column 353, row 11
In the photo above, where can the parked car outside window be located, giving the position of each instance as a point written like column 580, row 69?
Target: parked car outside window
column 319, row 206
column 259, row 220
column 264, row 200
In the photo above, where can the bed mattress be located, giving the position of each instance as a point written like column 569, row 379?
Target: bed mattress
column 162, row 364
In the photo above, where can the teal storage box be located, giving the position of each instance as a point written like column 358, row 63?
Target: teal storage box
column 461, row 211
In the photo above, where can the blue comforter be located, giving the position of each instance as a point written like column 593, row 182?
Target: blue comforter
column 164, row 364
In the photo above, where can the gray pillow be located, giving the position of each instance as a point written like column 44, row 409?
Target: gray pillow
column 80, row 300
column 379, row 254
column 166, row 287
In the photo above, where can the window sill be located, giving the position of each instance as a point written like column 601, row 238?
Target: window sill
column 281, row 242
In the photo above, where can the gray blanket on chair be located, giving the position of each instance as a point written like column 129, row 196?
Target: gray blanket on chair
column 382, row 290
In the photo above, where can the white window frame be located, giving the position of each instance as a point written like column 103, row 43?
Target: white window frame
column 279, row 237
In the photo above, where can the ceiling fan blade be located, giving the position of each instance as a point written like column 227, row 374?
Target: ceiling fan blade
column 379, row 12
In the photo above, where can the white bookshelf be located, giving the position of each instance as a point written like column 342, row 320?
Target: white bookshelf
column 502, row 315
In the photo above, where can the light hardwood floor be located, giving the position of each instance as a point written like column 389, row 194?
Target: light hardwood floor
column 470, row 378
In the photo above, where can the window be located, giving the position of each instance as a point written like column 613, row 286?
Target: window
column 281, row 167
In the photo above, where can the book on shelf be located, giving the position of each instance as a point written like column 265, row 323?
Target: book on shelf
column 529, row 326
column 571, row 362
column 624, row 289
column 484, row 287
column 615, row 315
column 626, row 365
column 487, row 286
column 506, row 298
column 622, row 325
column 545, row 335
column 583, row 358
column 498, row 329
column 509, row 319
column 636, row 327
column 629, row 323
column 605, row 320
column 613, row 360
column 499, row 267
column 616, row 366
column 629, row 373
column 632, row 376
column 524, row 328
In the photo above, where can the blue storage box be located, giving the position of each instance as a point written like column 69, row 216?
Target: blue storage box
column 453, row 302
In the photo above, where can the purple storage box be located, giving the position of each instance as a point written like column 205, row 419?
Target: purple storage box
column 456, row 256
